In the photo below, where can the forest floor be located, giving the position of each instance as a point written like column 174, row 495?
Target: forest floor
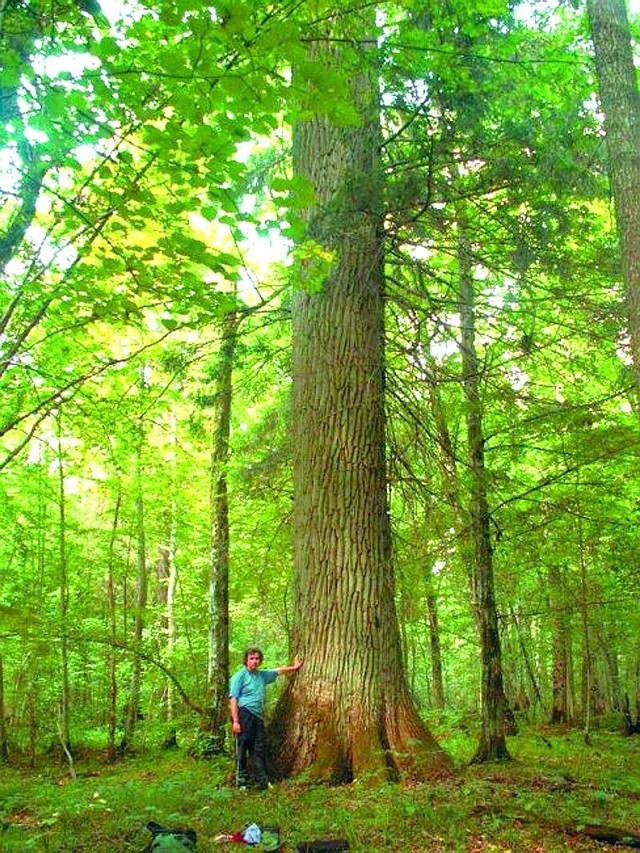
column 554, row 796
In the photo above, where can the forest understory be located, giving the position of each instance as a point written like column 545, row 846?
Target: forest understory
column 558, row 794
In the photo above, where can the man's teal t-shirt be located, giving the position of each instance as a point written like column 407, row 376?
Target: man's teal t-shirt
column 249, row 688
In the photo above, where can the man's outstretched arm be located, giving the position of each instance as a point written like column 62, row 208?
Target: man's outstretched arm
column 294, row 667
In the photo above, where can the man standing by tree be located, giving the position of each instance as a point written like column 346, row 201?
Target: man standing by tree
column 246, row 703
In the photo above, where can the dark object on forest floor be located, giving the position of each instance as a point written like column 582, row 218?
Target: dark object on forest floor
column 171, row 740
column 597, row 832
column 170, row 840
column 631, row 727
column 608, row 834
column 322, row 846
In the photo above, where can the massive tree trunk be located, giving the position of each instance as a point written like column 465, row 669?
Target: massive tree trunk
column 621, row 106
column 492, row 743
column 348, row 713
column 620, row 99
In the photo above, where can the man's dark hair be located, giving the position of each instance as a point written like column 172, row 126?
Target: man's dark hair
column 252, row 650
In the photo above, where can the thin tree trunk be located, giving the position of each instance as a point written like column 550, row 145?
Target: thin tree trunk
column 559, row 649
column 218, row 670
column 631, row 723
column 526, row 657
column 133, row 702
column 64, row 603
column 166, row 586
column 587, row 659
column 171, row 626
column 44, row 524
column 620, row 100
column 172, row 580
column 4, row 741
column 571, row 678
column 436, row 651
column 162, row 584
column 163, row 570
column 32, row 722
column 637, row 692
column 492, row 744
column 348, row 713
column 612, row 693
column 451, row 483
column 112, row 614
column 447, row 460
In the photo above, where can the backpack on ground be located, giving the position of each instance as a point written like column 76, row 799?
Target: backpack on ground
column 168, row 840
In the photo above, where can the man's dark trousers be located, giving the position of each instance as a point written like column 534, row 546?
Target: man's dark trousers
column 251, row 740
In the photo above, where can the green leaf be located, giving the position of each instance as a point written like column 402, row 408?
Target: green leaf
column 55, row 103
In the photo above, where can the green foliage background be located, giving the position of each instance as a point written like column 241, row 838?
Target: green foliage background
column 146, row 189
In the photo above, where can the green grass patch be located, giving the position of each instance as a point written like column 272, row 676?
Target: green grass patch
column 554, row 784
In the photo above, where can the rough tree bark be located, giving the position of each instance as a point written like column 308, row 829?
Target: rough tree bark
column 348, row 713
column 620, row 100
